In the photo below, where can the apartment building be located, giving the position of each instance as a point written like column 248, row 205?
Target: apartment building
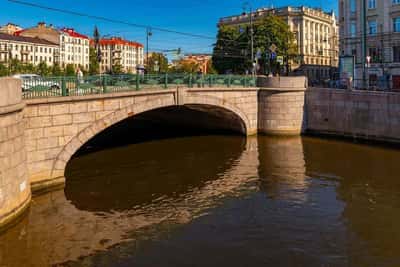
column 316, row 36
column 27, row 50
column 382, row 46
column 118, row 51
column 10, row 28
column 73, row 46
column 202, row 60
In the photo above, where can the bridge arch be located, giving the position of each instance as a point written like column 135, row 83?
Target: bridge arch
column 199, row 102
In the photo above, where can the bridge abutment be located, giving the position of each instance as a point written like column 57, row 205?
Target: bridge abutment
column 281, row 105
column 15, row 190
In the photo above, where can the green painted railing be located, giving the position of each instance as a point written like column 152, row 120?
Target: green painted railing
column 100, row 84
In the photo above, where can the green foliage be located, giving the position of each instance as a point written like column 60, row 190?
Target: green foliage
column 94, row 66
column 232, row 52
column 162, row 63
column 117, row 68
column 69, row 70
column 3, row 70
column 210, row 68
column 56, row 70
column 229, row 52
column 185, row 66
column 43, row 69
column 15, row 66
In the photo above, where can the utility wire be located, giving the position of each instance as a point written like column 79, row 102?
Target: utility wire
column 108, row 19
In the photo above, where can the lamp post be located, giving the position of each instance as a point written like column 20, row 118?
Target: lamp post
column 148, row 35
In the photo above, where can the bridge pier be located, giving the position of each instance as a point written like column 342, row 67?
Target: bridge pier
column 15, row 190
column 281, row 105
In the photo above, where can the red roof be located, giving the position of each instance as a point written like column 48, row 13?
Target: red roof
column 18, row 33
column 71, row 32
column 119, row 41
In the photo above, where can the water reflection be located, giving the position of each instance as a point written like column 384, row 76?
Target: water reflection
column 283, row 168
column 105, row 208
column 218, row 201
column 367, row 180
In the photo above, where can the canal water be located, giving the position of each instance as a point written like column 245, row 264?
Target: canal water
column 217, row 201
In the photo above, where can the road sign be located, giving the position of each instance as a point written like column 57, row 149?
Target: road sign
column 279, row 59
column 258, row 54
column 273, row 48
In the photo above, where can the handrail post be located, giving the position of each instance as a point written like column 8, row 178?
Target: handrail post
column 137, row 81
column 166, row 81
column 229, row 80
column 210, row 80
column 190, row 80
column 104, row 84
column 63, row 87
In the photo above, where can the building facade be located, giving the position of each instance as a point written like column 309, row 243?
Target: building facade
column 73, row 46
column 382, row 46
column 27, row 50
column 316, row 35
column 202, row 60
column 117, row 51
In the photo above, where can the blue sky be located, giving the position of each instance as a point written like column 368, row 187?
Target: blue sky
column 193, row 16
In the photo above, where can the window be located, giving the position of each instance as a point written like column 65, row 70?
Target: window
column 353, row 5
column 396, row 24
column 374, row 54
column 372, row 29
column 396, row 53
column 353, row 29
column 396, row 2
column 371, row 4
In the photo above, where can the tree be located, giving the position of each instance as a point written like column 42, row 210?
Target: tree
column 15, row 66
column 232, row 52
column 56, row 70
column 3, row 70
column 117, row 68
column 43, row 69
column 69, row 70
column 210, row 68
column 229, row 53
column 94, row 66
column 274, row 30
column 185, row 66
column 162, row 63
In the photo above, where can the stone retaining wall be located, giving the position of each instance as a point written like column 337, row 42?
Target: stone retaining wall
column 357, row 114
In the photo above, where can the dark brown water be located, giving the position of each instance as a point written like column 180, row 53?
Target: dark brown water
column 218, row 201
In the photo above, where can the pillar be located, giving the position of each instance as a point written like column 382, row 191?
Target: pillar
column 281, row 104
column 15, row 193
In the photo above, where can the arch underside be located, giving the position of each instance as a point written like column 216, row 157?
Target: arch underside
column 221, row 111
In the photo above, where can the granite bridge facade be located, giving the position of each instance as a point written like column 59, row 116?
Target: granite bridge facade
column 39, row 136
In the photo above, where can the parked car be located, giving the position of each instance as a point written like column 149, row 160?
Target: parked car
column 32, row 82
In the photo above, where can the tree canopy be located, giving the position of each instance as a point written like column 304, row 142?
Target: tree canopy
column 232, row 51
column 162, row 63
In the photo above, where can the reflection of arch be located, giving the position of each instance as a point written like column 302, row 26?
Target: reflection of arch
column 89, row 132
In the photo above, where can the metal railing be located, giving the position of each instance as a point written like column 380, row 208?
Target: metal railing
column 358, row 84
column 100, row 84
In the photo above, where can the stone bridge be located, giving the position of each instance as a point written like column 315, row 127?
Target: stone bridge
column 39, row 136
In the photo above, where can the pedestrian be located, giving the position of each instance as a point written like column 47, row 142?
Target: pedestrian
column 79, row 75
